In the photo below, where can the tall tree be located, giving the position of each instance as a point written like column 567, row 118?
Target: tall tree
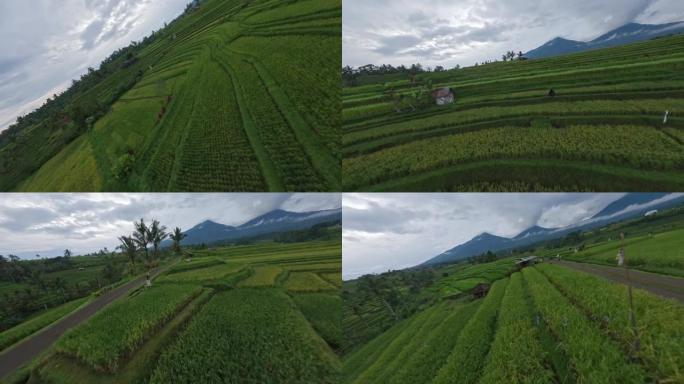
column 67, row 253
column 156, row 234
column 177, row 236
column 128, row 247
column 141, row 236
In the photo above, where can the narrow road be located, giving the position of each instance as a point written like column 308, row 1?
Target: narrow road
column 30, row 348
column 666, row 286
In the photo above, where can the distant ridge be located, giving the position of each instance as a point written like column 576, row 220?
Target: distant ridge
column 272, row 222
column 628, row 33
column 629, row 206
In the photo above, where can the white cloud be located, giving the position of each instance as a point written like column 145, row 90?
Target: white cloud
column 47, row 43
column 395, row 231
column 450, row 32
column 49, row 223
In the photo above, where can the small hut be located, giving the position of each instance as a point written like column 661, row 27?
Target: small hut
column 443, row 96
column 480, row 290
column 526, row 262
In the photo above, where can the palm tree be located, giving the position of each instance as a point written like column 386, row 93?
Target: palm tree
column 177, row 236
column 128, row 247
column 141, row 236
column 156, row 234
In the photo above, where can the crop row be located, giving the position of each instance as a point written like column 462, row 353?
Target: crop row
column 358, row 361
column 594, row 357
column 306, row 281
column 368, row 106
column 263, row 277
column 281, row 145
column 323, row 311
column 467, row 359
column 432, row 352
column 119, row 329
column 452, row 119
column 308, row 73
column 403, row 355
column 660, row 331
column 604, row 144
column 363, row 323
column 516, row 355
column 420, row 325
column 248, row 335
column 160, row 156
column 216, row 154
column 202, row 275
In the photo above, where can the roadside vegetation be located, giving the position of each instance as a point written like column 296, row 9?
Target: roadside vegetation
column 219, row 313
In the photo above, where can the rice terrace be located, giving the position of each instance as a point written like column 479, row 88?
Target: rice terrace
column 172, row 306
column 233, row 95
column 543, row 313
column 602, row 120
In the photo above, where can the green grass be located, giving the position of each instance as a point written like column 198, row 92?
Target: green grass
column 661, row 252
column 461, row 279
column 37, row 323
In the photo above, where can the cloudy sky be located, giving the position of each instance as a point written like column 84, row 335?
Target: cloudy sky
column 46, row 224
column 396, row 231
column 46, row 43
column 450, row 32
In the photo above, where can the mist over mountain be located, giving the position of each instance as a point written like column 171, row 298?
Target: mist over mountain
column 629, row 33
column 629, row 206
column 272, row 222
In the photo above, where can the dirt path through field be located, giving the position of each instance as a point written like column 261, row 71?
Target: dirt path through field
column 666, row 286
column 27, row 350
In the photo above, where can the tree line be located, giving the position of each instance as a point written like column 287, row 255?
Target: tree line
column 350, row 74
column 41, row 286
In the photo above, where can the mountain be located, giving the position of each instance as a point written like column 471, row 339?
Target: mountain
column 629, row 200
column 479, row 244
column 533, row 232
column 272, row 222
column 207, row 232
column 629, row 33
column 629, row 206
